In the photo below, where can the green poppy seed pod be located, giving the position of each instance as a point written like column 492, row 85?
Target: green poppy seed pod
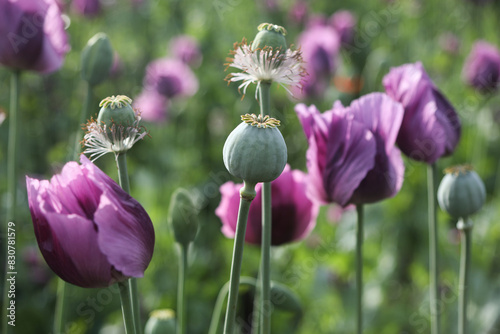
column 461, row 192
column 116, row 110
column 255, row 150
column 161, row 322
column 285, row 299
column 97, row 59
column 183, row 217
column 270, row 36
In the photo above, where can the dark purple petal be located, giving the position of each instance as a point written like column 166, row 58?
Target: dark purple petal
column 482, row 67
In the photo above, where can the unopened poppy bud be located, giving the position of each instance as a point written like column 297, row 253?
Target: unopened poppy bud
column 183, row 217
column 461, row 192
column 270, row 36
column 161, row 322
column 284, row 298
column 97, row 59
column 255, row 150
column 116, row 110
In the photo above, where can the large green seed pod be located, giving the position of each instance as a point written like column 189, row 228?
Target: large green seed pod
column 461, row 192
column 161, row 322
column 255, row 150
column 116, row 110
column 270, row 36
column 97, row 59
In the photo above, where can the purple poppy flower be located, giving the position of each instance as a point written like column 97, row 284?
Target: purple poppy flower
column 152, row 106
column 87, row 8
column 171, row 78
column 351, row 157
column 293, row 214
column 89, row 230
column 32, row 35
column 299, row 11
column 431, row 128
column 186, row 49
column 482, row 67
column 344, row 22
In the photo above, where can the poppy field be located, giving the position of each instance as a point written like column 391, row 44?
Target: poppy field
column 268, row 166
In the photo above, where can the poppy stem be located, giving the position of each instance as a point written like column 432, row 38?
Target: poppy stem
column 11, row 176
column 265, row 269
column 465, row 226
column 433, row 256
column 128, row 313
column 359, row 269
column 247, row 194
column 121, row 162
column 181, row 294
column 60, row 314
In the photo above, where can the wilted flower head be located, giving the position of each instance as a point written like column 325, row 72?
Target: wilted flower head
column 32, row 35
column 265, row 64
column 482, row 67
column 186, row 49
column 113, row 134
column 351, row 157
column 431, row 127
column 89, row 230
column 293, row 214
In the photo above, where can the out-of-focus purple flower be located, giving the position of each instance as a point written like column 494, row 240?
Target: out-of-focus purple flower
column 152, row 106
column 344, row 22
column 293, row 214
column 90, row 231
column 38, row 271
column 186, row 49
column 482, row 67
column 298, row 12
column 32, row 35
column 87, row 8
column 450, row 43
column 320, row 47
column 351, row 157
column 117, row 67
column 431, row 127
column 171, row 78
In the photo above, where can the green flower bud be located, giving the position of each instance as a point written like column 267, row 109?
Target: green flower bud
column 97, row 59
column 255, row 150
column 285, row 299
column 161, row 322
column 116, row 110
column 270, row 36
column 461, row 192
column 183, row 217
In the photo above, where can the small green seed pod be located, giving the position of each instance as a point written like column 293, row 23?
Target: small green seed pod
column 97, row 59
column 161, row 322
column 116, row 110
column 270, row 36
column 183, row 217
column 255, row 150
column 461, row 192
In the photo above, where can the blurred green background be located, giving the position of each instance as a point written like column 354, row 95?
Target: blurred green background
column 187, row 151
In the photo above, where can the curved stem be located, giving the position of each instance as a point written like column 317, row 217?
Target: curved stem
column 359, row 269
column 464, row 277
column 128, row 313
column 234, row 279
column 433, row 256
column 219, row 303
column 181, row 295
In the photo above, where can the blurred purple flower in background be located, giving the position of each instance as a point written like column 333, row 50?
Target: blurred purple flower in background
column 293, row 214
column 345, row 23
column 431, row 127
column 90, row 231
column 186, row 49
column 152, row 106
column 298, row 12
column 88, row 8
column 351, row 157
column 450, row 43
column 32, row 35
column 482, row 67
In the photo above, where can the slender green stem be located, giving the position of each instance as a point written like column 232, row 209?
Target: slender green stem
column 219, row 303
column 128, row 312
column 433, row 251
column 265, row 274
column 265, row 267
column 181, row 295
column 247, row 195
column 121, row 162
column 359, row 269
column 11, row 178
column 256, row 303
column 59, row 313
column 464, row 275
